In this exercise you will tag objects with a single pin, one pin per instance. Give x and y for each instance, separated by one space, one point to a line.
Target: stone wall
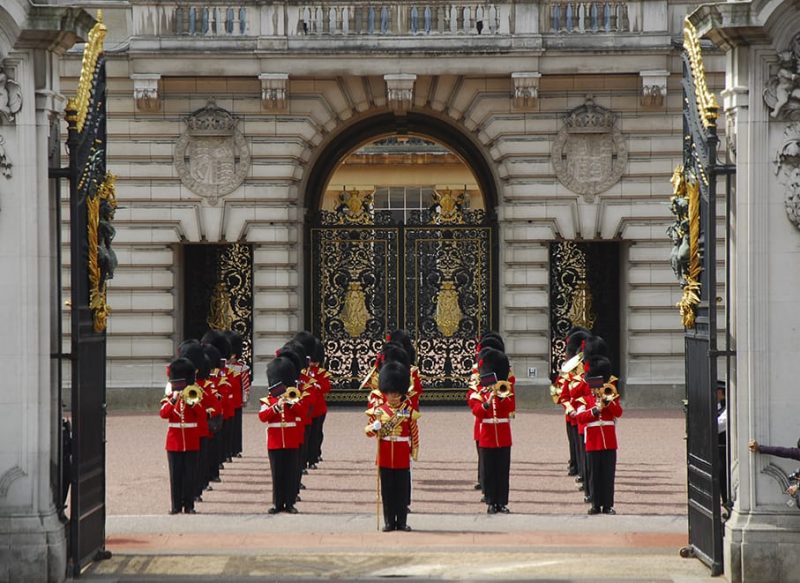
288 119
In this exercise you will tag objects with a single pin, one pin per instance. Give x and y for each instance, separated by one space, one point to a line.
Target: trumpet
291 395
608 392
191 395
501 389
555 393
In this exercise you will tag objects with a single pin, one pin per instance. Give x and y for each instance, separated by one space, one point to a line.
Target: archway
401 233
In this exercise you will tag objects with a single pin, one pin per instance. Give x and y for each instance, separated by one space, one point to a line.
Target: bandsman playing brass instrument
282 435
392 424
181 407
602 411
569 375
495 412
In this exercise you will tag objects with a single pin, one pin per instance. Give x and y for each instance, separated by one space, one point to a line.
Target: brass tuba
191 395
608 392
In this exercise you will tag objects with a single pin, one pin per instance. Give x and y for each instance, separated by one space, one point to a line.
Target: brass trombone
291 395
501 389
370 380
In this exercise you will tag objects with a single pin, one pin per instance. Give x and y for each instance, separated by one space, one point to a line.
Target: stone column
762 536
32 535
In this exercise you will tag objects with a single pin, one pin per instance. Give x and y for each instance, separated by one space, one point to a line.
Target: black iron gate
431 273
584 291
694 261
218 291
92 263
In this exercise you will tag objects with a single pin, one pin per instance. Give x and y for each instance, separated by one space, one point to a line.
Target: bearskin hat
595 346
181 369
219 341
394 378
393 352
494 361
492 334
281 371
307 341
492 342
598 366
213 355
402 337
319 352
294 357
194 351
235 340
575 342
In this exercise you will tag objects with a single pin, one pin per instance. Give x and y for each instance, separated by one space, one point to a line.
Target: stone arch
426 124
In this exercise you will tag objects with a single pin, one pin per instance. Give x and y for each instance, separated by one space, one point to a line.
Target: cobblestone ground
651 470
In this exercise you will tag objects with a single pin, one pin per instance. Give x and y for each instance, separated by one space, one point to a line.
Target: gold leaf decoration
448 313
706 101
354 313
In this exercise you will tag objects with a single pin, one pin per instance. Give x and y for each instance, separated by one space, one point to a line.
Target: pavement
548 535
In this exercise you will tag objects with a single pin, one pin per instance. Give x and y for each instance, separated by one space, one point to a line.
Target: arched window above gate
402 180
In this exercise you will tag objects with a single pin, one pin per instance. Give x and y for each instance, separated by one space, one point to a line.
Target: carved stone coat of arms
212 157
589 153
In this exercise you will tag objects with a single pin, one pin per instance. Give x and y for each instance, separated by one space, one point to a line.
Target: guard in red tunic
392 423
237 374
488 340
495 410
602 411
282 437
225 388
216 420
301 410
322 382
182 409
573 362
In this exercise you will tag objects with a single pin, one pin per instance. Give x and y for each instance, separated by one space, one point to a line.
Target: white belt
493 420
183 425
395 438
283 424
599 423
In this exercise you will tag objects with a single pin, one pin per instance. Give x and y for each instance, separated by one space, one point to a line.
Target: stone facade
762 540
32 40
504 76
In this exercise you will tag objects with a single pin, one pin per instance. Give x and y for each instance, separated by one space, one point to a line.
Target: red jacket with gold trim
495 415
398 443
600 431
182 432
281 424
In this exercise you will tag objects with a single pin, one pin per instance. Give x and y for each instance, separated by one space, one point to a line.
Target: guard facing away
393 424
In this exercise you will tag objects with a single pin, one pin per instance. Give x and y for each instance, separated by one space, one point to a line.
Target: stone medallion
787 163
212 157
589 153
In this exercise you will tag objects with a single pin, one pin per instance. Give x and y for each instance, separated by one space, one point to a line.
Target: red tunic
224 388
281 425
600 431
495 420
395 449
234 375
182 432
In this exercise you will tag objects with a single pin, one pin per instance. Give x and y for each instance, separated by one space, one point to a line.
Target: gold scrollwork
355 207
92 52
580 312
691 289
707 105
448 313
354 312
220 312
97 281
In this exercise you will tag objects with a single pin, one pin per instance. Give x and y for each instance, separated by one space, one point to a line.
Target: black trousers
572 438
282 464
602 470
213 457
305 447
237 432
496 468
321 435
202 467
480 463
394 492
182 478
580 455
723 469
315 444
227 438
